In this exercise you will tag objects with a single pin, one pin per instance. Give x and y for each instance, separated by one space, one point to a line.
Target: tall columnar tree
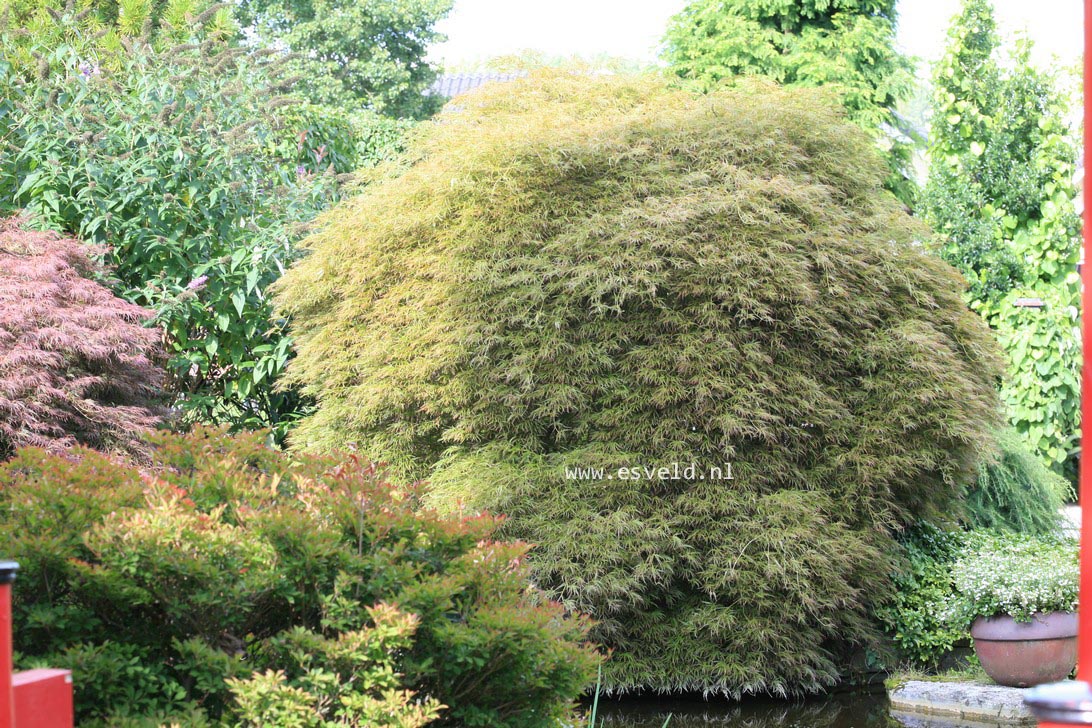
357 54
1000 195
581 274
77 366
849 44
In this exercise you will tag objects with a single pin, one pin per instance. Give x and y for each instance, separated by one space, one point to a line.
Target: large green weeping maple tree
576 274
847 44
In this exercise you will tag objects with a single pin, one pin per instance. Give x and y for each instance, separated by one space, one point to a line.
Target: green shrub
230 582
601 273
347 681
947 578
1015 491
320 138
914 617
174 162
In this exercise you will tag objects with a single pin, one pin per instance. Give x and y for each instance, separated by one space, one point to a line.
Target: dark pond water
836 711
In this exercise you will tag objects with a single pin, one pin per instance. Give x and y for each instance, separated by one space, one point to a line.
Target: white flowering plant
1013 575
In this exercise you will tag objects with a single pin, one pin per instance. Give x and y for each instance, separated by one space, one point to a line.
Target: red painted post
1070 703
36 698
1084 644
7 699
43 698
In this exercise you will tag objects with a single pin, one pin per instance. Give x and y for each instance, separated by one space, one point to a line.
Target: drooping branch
77 365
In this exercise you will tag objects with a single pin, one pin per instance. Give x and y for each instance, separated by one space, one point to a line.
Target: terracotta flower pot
1023 654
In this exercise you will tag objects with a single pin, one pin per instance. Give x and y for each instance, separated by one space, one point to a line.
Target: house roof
450 85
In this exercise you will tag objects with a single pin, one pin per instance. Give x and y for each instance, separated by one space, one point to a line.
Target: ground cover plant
227 582
77 364
582 274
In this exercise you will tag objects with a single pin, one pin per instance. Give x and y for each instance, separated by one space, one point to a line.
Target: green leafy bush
229 582
948 577
170 160
580 275
914 617
350 680
1042 386
1015 491
1013 575
323 139
1001 197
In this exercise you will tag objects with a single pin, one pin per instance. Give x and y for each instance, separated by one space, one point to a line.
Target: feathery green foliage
1015 491
607 272
848 45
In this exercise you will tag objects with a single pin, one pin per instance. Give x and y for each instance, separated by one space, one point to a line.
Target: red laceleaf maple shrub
77 364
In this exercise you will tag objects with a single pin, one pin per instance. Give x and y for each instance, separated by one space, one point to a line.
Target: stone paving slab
970 704
919 720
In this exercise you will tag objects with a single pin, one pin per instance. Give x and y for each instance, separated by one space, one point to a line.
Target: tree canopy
359 54
1000 196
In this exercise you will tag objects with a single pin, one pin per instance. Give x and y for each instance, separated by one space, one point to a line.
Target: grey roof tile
450 85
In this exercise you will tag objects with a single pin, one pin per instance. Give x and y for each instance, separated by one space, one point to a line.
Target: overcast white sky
481 29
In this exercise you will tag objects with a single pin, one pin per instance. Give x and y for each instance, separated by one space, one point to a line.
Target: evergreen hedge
608 272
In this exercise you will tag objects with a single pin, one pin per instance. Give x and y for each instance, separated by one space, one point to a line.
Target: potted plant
1019 596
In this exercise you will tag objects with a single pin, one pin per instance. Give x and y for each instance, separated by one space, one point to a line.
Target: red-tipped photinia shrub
222 582
77 365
